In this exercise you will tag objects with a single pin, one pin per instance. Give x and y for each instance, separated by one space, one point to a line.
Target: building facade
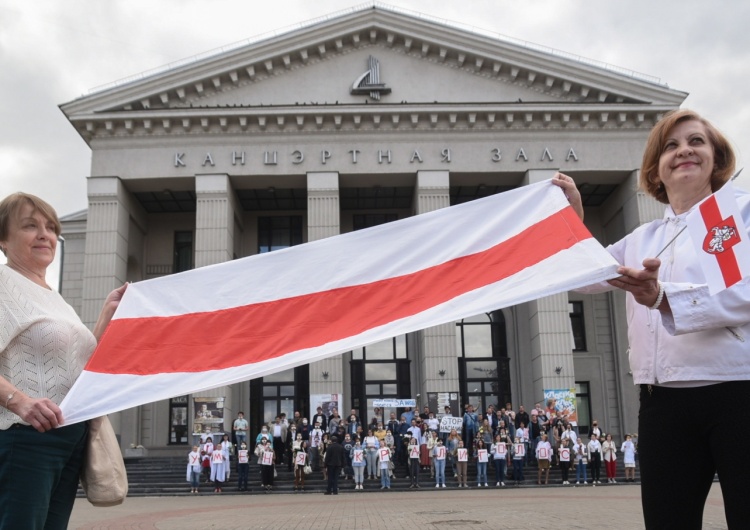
366 117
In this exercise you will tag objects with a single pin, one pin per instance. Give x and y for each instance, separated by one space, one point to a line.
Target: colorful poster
563 400
327 401
209 415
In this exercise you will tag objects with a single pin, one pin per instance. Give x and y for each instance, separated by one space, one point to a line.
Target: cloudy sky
52 52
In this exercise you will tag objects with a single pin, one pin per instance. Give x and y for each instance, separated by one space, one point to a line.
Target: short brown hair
724 158
12 204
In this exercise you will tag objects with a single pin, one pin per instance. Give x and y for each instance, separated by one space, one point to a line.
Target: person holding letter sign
482 459
413 456
519 453
358 464
440 452
462 464
499 451
543 456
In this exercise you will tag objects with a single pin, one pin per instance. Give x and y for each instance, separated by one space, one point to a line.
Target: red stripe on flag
727 260
239 336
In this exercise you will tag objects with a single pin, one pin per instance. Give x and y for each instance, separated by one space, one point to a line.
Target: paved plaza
616 507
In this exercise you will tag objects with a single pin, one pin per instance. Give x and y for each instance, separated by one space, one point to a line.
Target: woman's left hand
108 310
568 186
643 284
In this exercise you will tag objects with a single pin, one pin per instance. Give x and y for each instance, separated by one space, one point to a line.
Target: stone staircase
165 476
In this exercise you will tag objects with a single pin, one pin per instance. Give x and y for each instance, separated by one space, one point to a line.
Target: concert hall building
359 118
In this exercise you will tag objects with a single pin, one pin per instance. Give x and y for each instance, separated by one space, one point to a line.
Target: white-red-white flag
721 239
251 317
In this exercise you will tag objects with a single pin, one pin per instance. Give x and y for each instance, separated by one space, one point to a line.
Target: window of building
178 424
183 252
583 406
275 233
483 364
380 370
282 392
577 325
367 220
278 395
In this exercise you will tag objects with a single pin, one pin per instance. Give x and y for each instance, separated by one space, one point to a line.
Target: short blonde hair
724 159
10 209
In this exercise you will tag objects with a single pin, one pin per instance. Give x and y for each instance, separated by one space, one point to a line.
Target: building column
549 326
106 260
627 208
324 220
216 211
436 346
216 216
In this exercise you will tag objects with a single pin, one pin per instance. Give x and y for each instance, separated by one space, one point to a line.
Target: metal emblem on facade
369 82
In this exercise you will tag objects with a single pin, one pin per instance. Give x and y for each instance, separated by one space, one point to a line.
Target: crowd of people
501 444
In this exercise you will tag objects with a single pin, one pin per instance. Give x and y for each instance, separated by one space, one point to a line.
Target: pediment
421 62
405 77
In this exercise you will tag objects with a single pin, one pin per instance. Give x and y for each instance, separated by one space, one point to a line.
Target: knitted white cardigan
43 343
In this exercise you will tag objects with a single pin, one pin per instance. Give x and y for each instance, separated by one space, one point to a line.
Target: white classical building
356 119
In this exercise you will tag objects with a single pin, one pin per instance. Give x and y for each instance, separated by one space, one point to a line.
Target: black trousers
278 448
333 479
595 463
564 468
685 436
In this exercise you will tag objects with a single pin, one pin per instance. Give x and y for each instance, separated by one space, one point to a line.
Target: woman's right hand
42 414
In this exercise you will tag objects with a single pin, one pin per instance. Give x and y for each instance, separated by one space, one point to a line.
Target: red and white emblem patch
721 237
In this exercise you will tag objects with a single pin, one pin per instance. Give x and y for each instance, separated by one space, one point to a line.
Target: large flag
259 315
721 239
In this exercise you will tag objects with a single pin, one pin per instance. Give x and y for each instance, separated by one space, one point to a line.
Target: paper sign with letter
413 451
543 453
501 449
267 458
300 459
564 453
463 455
520 449
385 455
242 457
358 456
482 455
440 452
